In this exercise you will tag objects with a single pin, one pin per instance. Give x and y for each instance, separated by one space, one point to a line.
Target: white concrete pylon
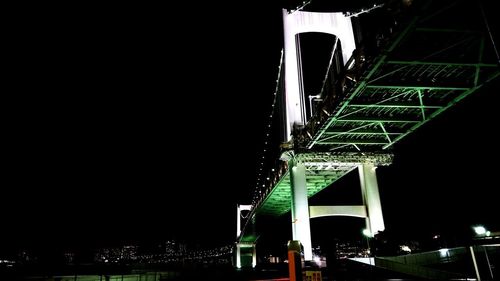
301 22
371 198
238 255
301 228
240 208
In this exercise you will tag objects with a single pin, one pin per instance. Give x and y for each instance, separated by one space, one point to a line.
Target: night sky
128 123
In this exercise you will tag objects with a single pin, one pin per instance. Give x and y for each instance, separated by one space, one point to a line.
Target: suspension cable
260 182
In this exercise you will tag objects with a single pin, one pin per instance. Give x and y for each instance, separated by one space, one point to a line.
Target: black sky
145 122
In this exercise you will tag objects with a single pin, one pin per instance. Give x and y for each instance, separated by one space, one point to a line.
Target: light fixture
479 230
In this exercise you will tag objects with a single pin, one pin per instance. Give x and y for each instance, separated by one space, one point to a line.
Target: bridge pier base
246 255
301 229
371 198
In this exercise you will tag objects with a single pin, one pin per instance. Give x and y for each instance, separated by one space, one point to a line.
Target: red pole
294 261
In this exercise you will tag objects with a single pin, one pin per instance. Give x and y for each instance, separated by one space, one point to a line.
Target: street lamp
315 98
481 231
368 234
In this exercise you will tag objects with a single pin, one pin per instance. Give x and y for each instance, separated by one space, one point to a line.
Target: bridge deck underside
278 201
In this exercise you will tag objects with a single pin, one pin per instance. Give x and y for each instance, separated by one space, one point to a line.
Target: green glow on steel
379 102
374 120
339 147
385 132
248 238
439 111
278 201
417 87
401 105
345 132
371 142
421 104
362 132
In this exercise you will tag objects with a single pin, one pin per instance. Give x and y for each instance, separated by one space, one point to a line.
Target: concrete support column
246 255
238 255
371 198
301 229
254 255
238 221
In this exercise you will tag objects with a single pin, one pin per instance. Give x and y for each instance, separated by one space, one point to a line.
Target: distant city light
405 248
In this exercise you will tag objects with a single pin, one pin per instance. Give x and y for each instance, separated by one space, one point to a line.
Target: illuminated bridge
381 85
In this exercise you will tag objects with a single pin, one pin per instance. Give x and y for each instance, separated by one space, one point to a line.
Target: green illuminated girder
322 169
417 87
441 110
248 239
378 120
394 105
278 202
